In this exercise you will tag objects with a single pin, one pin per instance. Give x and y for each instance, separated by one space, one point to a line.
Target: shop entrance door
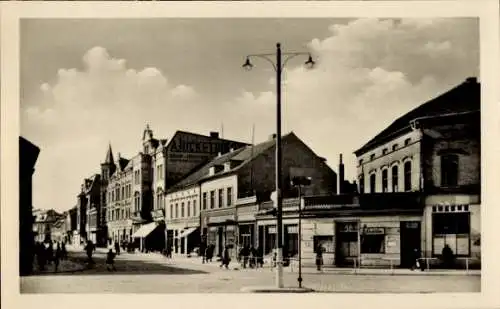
409 241
220 241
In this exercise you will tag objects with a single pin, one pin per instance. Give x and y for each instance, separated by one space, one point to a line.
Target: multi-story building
218 189
28 154
43 224
135 207
88 226
419 185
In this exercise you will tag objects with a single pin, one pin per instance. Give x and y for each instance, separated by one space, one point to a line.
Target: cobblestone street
144 273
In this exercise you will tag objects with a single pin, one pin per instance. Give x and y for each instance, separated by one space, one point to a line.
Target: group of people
50 252
251 256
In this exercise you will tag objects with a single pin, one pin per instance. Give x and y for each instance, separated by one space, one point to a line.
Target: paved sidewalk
65 266
196 262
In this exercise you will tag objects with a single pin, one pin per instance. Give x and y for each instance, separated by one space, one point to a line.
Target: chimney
341 175
214 134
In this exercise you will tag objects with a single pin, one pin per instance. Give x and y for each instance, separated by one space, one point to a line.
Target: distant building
28 155
88 225
45 223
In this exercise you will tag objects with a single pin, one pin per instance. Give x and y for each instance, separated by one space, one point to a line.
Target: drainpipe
417 126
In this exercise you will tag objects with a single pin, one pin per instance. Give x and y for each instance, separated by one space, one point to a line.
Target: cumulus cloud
368 72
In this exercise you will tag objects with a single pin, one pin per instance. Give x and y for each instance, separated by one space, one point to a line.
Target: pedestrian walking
64 252
89 249
225 258
319 257
110 260
117 248
260 257
57 257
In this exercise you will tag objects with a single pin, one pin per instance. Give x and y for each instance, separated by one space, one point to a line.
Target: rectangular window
229 196
189 209
361 184
395 178
204 200
212 199
372 183
182 210
449 170
373 243
171 211
123 193
385 180
176 210
221 198
194 208
407 170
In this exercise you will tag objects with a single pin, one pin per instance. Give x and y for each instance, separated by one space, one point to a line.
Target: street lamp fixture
278 66
299 182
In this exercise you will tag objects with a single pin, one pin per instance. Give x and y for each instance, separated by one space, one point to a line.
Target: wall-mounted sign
346 227
374 230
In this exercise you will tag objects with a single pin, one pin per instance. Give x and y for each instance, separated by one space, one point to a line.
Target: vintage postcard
339 149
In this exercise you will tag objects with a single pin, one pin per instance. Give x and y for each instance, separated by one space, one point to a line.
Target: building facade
232 193
28 155
419 190
89 228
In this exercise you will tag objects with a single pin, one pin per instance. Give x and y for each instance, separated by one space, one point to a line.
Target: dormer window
227 166
211 171
407 141
385 151
372 156
360 161
394 147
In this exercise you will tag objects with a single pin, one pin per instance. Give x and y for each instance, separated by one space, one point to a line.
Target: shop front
222 235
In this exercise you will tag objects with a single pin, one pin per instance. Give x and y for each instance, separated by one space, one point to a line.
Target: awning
145 230
187 231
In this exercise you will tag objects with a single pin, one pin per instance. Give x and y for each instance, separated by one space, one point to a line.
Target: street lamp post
278 67
299 182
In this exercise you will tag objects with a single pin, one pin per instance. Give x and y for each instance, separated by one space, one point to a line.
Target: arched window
407 174
372 182
395 178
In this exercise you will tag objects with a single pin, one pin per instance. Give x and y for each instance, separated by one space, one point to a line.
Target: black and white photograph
178 154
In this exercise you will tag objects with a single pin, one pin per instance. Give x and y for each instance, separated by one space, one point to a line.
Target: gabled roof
462 98
200 173
122 163
242 156
90 182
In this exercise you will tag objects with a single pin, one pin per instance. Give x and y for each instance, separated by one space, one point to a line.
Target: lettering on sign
411 225
348 227
374 230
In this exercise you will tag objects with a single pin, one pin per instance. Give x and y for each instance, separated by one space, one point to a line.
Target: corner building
419 189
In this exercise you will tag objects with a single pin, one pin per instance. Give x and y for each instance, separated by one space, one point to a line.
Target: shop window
452 229
372 182
407 173
395 178
326 242
385 180
449 170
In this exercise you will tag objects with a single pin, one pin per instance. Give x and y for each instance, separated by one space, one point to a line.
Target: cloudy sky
85 83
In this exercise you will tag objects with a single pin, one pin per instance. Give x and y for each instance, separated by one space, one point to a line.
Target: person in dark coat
117 248
225 258
41 256
253 257
64 252
319 257
110 260
260 257
57 257
89 249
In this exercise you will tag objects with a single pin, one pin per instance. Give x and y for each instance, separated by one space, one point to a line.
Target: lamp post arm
290 56
265 57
